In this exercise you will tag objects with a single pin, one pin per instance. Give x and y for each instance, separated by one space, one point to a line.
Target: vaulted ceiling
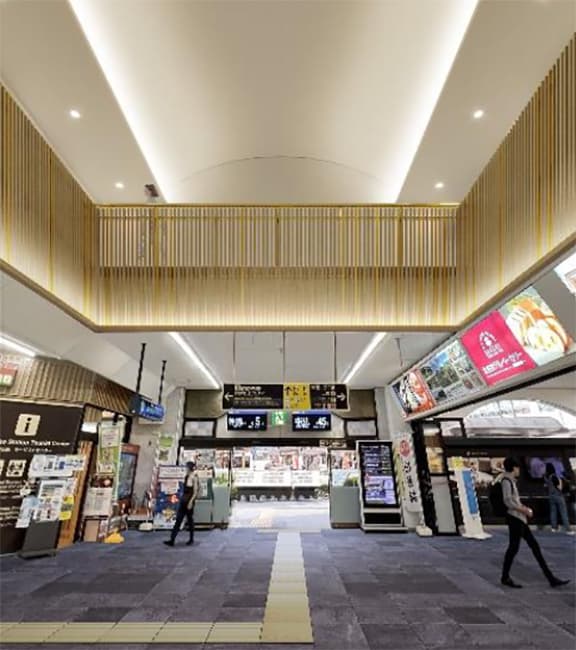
278 101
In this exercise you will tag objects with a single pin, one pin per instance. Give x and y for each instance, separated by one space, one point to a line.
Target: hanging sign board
291 396
146 409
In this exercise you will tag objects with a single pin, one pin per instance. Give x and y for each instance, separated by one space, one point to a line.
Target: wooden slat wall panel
47 220
523 205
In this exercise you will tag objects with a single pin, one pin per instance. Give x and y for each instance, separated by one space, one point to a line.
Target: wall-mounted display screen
536 327
126 474
377 470
566 271
450 374
311 422
247 421
413 394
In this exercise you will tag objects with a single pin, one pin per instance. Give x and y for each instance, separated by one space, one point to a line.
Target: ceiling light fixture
16 346
477 114
74 114
119 185
439 185
369 349
191 354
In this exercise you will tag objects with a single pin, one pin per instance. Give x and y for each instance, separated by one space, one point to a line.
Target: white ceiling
310 101
242 358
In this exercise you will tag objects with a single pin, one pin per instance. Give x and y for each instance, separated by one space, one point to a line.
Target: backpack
496 497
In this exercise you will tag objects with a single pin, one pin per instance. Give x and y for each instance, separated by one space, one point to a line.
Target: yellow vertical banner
297 397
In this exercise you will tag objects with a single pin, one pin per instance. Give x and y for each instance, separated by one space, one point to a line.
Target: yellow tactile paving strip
286 617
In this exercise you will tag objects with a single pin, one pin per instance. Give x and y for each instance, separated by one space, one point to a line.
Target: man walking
186 505
517 519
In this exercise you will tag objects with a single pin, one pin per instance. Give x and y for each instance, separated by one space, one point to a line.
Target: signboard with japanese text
253 396
409 473
297 397
332 397
8 372
495 351
290 396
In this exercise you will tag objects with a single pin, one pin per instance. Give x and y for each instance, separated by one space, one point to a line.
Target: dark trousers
183 513
518 530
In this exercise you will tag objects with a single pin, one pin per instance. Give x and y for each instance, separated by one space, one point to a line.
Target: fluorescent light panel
368 350
16 346
191 354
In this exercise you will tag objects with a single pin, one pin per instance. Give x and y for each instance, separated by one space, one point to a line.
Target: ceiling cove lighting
368 350
74 114
439 65
191 354
439 185
90 18
478 114
16 346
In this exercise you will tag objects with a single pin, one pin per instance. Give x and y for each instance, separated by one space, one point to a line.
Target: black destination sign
253 396
332 397
311 422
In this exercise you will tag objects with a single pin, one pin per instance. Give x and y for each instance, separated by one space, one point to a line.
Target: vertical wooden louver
283 267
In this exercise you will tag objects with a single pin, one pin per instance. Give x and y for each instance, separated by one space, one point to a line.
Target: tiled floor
349 589
303 515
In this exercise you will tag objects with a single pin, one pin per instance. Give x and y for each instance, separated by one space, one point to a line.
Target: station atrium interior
288 324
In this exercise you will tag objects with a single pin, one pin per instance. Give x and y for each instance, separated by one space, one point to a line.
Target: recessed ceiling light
119 185
439 185
74 114
477 114
16 346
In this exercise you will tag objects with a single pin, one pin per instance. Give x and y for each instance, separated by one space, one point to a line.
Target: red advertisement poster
495 351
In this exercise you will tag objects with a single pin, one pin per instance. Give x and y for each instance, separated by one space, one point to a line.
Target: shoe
554 530
169 542
570 532
556 582
508 582
190 542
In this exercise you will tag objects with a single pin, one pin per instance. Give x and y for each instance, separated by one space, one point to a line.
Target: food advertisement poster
495 351
536 327
450 374
413 394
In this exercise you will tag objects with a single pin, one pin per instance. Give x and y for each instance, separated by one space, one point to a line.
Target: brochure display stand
380 506
472 522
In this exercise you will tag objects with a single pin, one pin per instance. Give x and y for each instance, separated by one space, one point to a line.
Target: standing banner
409 473
168 490
472 522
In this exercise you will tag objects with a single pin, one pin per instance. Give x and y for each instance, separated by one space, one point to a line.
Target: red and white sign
7 373
495 351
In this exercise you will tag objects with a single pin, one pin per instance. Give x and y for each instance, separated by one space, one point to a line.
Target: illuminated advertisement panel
566 271
450 374
495 351
536 327
413 394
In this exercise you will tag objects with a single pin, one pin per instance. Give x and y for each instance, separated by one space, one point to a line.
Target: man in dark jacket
186 505
517 519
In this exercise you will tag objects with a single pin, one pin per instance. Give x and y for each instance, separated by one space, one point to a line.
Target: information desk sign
253 396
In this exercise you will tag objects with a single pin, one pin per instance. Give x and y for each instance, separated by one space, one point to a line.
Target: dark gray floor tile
443 636
245 600
102 614
569 627
391 637
344 636
382 615
148 614
323 615
503 637
241 614
475 615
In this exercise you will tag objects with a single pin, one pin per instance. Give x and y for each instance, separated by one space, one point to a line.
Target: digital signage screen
566 271
450 374
377 470
247 421
536 327
413 394
311 422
